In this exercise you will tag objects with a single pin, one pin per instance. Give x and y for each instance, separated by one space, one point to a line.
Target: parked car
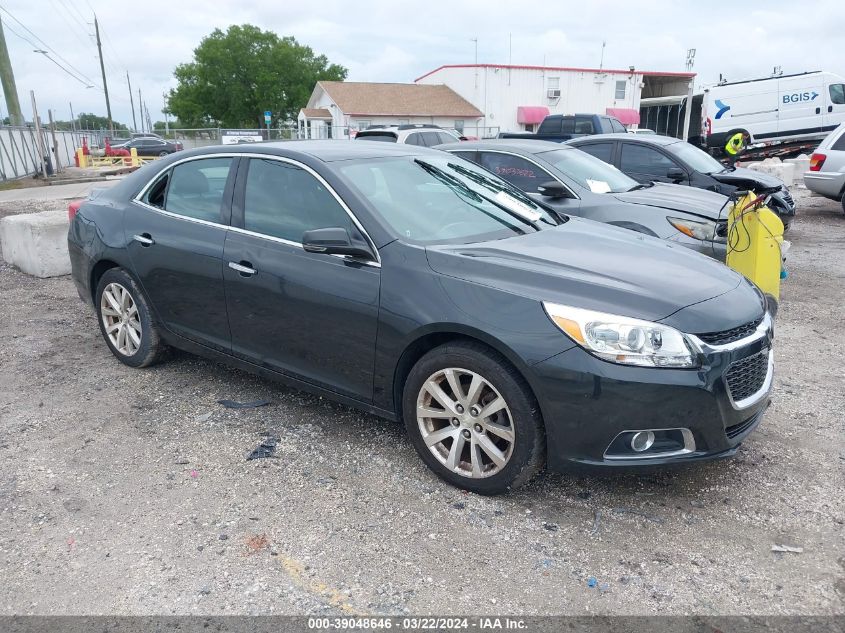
655 158
417 286
148 146
563 127
411 134
827 167
641 130
573 182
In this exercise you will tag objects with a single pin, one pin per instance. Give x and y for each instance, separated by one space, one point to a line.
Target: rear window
387 137
839 144
550 126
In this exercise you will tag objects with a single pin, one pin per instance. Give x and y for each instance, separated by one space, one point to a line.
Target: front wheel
843 201
473 419
163 154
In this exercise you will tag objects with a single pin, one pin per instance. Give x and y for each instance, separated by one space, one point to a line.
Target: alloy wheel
121 320
465 423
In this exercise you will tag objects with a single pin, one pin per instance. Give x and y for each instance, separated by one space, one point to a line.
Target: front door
308 315
175 235
646 164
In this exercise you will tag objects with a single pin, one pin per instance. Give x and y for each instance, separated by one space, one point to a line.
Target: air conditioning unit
553 93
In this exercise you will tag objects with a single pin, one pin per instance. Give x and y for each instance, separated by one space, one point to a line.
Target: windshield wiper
494 186
457 185
641 186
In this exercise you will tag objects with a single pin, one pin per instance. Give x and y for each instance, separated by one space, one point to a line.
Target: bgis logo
798 97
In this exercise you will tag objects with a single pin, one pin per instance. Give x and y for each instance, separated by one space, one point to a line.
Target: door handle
145 239
830 108
819 110
244 268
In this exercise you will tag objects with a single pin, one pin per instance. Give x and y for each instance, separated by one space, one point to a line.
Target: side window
602 151
445 137
196 188
414 139
155 194
430 139
839 144
470 156
837 93
519 172
550 126
645 160
616 126
283 200
584 125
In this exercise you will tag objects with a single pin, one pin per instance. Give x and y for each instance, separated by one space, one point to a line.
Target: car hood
741 175
599 267
707 204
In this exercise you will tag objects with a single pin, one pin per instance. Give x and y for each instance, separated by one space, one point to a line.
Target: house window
459 125
363 124
620 89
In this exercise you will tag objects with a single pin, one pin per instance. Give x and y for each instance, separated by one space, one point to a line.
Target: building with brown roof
338 109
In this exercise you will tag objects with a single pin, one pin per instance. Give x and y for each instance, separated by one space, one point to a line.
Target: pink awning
531 114
626 116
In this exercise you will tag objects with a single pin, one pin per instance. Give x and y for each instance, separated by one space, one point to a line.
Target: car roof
649 139
326 150
526 146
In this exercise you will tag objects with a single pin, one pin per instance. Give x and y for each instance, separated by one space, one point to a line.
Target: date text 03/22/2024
417 623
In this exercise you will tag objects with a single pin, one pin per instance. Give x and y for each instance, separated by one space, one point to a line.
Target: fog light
642 441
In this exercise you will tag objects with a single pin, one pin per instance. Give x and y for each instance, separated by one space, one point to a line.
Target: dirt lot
126 491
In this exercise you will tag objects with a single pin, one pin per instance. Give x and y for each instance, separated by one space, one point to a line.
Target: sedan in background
827 167
417 286
572 182
151 146
654 158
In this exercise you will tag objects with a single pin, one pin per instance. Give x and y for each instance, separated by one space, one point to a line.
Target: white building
338 109
517 98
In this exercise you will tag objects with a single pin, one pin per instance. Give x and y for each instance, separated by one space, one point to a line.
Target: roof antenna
601 61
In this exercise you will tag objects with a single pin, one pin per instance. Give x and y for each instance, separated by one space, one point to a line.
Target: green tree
89 121
235 76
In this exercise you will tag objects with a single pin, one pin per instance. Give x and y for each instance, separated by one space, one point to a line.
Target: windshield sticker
517 207
598 186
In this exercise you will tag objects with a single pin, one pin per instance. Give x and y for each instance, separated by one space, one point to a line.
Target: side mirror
334 241
552 189
676 174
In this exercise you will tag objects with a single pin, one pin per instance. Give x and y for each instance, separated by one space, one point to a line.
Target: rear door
802 103
602 151
645 163
175 233
834 107
308 315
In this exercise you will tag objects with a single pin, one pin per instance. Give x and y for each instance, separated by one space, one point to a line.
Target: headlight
623 340
698 229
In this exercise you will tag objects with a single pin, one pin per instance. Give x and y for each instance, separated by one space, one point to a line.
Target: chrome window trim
282 159
760 332
756 397
689 446
481 150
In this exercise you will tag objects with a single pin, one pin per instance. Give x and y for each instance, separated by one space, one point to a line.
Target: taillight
73 208
816 161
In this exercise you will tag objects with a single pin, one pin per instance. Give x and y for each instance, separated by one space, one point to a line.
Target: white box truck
783 108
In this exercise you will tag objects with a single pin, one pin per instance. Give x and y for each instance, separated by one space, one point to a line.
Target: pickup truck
564 127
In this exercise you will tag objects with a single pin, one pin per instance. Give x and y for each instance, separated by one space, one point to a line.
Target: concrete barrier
802 164
773 167
36 243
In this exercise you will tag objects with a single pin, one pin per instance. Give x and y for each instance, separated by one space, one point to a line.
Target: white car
412 134
827 167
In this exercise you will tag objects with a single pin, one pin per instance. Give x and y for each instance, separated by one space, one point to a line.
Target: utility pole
166 118
8 80
39 140
58 164
103 70
140 110
132 103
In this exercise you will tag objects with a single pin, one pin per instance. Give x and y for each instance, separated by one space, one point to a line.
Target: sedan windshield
434 200
588 171
696 158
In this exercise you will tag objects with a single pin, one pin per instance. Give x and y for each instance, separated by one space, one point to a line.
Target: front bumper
825 183
587 402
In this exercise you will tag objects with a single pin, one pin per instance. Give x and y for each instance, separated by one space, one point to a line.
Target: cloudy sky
379 40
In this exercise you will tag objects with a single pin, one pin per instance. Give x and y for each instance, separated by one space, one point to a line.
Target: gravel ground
127 491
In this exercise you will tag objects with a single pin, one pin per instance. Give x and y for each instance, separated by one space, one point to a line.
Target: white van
798 107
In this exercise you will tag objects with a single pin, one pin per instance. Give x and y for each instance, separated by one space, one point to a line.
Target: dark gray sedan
417 286
573 182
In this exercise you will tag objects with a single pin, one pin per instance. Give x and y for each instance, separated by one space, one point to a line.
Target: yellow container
755 244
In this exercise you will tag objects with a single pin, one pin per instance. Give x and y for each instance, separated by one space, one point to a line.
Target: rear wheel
162 154
473 419
126 322
843 202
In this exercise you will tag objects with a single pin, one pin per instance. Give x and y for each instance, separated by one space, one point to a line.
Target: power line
46 45
73 26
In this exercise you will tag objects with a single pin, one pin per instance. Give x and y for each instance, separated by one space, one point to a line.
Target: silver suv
413 134
827 167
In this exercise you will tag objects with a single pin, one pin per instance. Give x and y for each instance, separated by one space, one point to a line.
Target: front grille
729 336
746 377
738 429
787 197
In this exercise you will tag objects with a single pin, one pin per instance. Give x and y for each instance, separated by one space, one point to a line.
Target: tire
163 154
135 341
487 454
843 202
